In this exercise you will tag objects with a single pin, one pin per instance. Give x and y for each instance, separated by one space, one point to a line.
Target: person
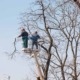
24 36
34 39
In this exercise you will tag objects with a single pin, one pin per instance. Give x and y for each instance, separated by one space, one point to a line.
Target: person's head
22 29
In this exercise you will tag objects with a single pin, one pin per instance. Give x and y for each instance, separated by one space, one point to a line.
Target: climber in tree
24 36
34 39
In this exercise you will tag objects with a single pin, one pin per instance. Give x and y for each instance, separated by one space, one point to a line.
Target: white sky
18 68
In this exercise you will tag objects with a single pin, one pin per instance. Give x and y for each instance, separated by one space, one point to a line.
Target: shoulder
26 32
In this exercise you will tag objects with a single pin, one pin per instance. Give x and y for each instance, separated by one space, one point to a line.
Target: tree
59 25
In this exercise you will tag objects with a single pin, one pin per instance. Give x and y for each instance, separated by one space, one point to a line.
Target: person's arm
20 35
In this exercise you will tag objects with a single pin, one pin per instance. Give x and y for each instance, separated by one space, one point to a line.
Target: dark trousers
25 42
35 43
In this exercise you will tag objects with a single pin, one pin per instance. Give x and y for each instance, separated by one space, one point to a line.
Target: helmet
22 29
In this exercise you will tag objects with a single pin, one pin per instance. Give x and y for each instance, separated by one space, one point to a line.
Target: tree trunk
62 72
75 74
47 67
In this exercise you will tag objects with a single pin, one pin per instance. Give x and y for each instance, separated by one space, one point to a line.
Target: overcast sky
18 68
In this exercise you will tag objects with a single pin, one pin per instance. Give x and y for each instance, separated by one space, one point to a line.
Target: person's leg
23 39
36 44
26 42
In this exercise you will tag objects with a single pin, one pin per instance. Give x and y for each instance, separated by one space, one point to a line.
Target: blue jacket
35 38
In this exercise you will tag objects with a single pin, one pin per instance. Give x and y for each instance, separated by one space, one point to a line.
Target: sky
17 68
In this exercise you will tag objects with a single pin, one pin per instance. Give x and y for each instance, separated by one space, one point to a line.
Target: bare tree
58 24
